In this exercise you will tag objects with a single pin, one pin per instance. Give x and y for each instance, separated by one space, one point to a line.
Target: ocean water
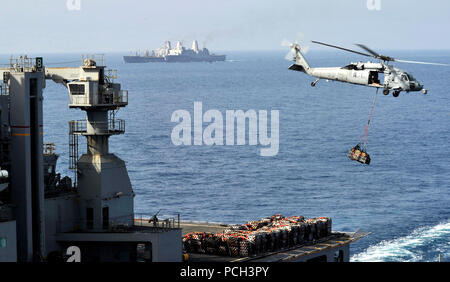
402 198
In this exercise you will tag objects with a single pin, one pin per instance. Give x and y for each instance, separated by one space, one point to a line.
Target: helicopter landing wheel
396 93
386 91
313 84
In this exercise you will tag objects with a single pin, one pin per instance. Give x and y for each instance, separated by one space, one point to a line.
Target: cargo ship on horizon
177 54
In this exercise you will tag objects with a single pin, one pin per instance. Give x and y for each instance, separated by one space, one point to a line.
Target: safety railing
125 223
155 222
112 126
98 59
21 63
123 97
118 99
4 89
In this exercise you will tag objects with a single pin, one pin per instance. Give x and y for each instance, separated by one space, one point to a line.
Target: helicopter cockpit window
404 77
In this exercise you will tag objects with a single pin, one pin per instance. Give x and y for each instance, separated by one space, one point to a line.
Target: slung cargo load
257 237
359 154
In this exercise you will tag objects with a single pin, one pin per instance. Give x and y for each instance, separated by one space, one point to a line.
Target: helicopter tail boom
300 62
297 68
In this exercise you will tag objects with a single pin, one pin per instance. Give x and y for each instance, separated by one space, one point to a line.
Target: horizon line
218 50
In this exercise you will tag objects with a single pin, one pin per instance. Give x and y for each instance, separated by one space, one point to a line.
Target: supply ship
46 217
177 54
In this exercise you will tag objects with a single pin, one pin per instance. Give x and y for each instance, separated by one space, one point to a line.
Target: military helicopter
367 74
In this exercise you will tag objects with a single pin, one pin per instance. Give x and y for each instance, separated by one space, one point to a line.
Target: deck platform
302 252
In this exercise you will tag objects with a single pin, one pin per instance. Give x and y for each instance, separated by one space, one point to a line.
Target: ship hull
187 59
142 59
174 59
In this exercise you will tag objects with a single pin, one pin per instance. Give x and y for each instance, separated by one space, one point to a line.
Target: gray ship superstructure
177 54
46 217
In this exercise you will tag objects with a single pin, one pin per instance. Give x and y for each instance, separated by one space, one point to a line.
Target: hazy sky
111 25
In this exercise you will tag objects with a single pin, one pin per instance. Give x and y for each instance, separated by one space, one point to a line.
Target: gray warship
173 55
90 217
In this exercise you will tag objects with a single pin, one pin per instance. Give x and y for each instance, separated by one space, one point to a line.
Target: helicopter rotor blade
375 54
294 47
422 63
304 49
289 56
387 58
341 48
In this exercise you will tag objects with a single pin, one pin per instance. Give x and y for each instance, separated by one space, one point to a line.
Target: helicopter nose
419 86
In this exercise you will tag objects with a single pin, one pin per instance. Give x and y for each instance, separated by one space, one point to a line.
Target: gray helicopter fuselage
379 75
355 73
369 74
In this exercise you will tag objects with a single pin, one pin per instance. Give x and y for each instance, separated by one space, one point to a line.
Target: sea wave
423 244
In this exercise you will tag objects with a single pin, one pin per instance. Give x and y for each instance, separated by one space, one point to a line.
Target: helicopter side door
358 77
373 78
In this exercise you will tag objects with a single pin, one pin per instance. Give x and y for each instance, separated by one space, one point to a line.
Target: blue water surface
402 198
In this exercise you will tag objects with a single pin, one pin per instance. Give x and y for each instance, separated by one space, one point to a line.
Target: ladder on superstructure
5 135
73 151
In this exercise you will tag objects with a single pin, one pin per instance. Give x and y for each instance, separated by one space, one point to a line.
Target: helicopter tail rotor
296 53
300 63
294 47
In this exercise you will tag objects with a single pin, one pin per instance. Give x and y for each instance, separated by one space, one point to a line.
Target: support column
27 178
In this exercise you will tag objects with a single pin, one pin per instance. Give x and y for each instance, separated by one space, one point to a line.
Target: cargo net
359 154
257 237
